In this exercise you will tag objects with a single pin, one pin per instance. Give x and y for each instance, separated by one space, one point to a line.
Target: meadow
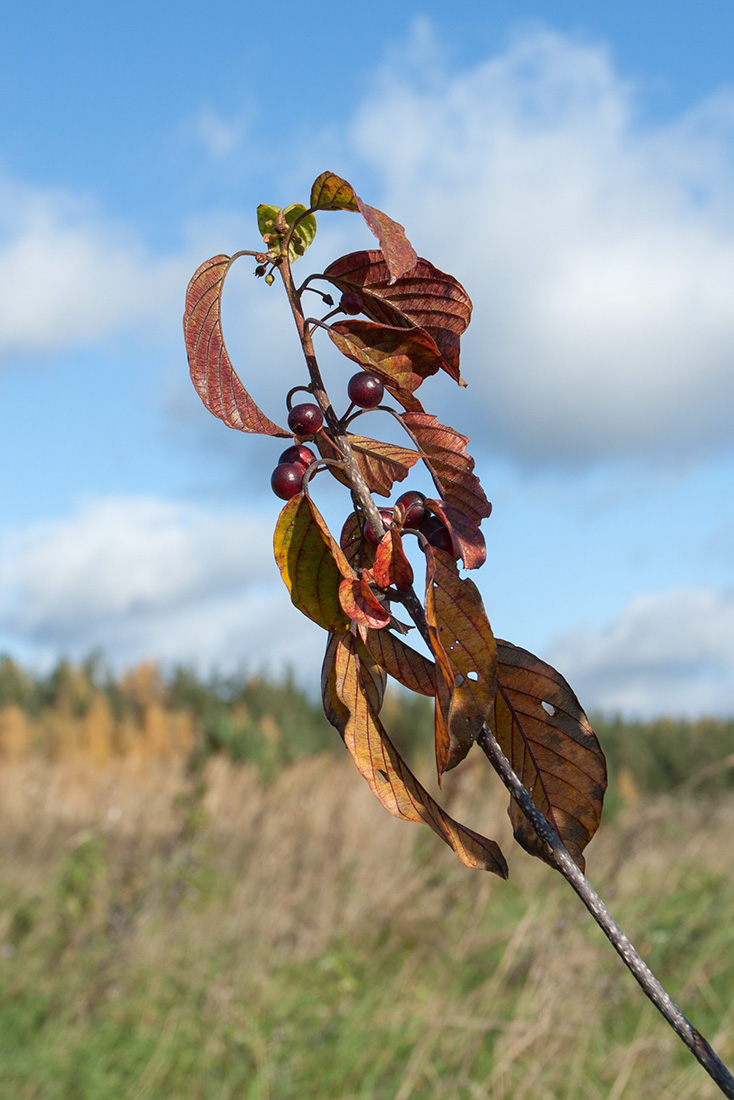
195 904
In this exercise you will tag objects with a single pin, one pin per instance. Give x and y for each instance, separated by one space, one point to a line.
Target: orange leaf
391 565
466 658
382 464
547 738
348 704
311 563
424 298
331 192
402 662
212 373
361 605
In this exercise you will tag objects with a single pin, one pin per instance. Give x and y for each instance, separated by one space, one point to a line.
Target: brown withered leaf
467 539
546 736
402 662
311 563
425 298
382 464
400 256
448 463
401 357
212 373
361 605
466 658
331 192
348 705
391 565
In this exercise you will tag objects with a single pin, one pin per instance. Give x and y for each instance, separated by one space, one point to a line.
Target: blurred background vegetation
200 898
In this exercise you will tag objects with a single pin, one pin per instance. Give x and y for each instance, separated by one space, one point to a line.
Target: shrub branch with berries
400 320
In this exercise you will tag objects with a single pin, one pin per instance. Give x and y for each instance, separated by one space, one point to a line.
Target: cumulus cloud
598 248
668 653
140 576
70 277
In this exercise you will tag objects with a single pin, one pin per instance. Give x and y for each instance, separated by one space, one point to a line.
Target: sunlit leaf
311 563
304 232
400 256
449 464
466 658
391 565
374 681
211 369
331 192
346 686
425 298
361 605
382 464
546 736
468 540
402 662
401 357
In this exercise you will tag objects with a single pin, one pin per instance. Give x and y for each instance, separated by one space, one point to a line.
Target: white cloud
141 577
70 277
599 251
668 653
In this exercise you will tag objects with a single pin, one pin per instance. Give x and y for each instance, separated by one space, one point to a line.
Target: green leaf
267 220
311 563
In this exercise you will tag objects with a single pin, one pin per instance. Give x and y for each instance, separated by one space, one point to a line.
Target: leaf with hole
546 736
425 298
349 704
212 373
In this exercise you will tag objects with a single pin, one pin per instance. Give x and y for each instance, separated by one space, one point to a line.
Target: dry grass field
207 937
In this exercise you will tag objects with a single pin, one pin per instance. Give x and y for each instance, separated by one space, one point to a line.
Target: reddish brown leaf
400 256
466 658
382 464
211 369
425 298
348 705
331 192
547 738
449 464
358 551
311 563
401 357
404 664
467 539
361 605
391 565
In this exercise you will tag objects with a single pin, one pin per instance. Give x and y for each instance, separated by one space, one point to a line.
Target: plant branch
562 861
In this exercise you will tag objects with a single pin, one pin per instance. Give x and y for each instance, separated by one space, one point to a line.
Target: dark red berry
437 534
365 389
305 420
388 520
287 479
298 453
351 302
412 507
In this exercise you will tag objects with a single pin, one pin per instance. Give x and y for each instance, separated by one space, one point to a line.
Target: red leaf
449 464
331 192
425 298
348 703
212 373
466 658
382 464
391 565
400 256
468 540
401 357
547 738
361 605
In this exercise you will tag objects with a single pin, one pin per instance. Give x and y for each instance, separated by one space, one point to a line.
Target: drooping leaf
311 563
546 736
331 192
349 706
361 605
400 256
402 662
358 551
374 682
466 658
401 357
425 298
212 373
382 464
468 540
391 565
449 464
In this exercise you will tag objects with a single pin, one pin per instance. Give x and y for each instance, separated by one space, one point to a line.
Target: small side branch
562 860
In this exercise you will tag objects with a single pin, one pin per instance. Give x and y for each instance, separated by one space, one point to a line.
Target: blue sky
570 163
